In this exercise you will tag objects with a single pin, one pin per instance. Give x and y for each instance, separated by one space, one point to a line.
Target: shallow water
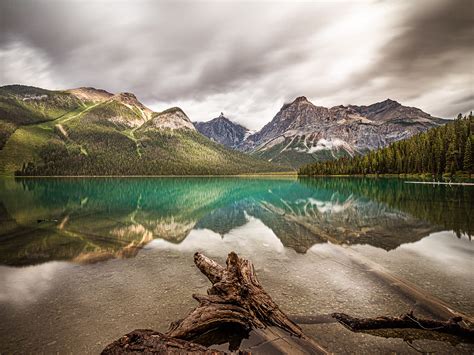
84 261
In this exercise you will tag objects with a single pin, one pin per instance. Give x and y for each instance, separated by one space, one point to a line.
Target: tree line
442 150
105 151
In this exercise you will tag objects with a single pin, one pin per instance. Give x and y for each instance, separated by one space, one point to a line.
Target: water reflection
25 285
90 220
249 239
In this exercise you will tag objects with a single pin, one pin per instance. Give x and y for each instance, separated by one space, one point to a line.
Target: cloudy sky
246 58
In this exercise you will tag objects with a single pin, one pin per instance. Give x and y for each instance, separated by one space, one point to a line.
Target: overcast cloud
246 58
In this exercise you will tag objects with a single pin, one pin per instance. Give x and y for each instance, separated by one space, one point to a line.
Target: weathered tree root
236 296
236 299
407 320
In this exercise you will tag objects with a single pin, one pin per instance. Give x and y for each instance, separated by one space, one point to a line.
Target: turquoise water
85 260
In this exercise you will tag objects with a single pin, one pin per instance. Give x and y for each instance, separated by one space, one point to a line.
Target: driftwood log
237 304
236 297
236 301
408 320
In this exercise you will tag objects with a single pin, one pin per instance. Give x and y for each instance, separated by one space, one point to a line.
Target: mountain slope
441 150
302 133
223 131
26 105
87 131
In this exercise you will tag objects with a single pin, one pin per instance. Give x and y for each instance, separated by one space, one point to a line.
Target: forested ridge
159 152
87 131
438 151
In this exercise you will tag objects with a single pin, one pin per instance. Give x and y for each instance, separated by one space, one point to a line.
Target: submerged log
421 298
407 320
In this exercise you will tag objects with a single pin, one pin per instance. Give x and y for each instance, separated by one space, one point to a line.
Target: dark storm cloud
52 26
433 41
245 58
433 50
172 49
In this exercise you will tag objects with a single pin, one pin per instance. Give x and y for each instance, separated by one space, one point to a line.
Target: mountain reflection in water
86 220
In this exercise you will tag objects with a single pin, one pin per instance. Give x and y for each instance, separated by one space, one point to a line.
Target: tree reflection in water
95 219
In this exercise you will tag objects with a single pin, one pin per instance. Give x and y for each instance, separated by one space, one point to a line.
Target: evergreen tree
451 163
467 163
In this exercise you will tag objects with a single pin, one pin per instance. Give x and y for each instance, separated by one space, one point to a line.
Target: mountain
302 132
438 151
224 131
89 131
173 118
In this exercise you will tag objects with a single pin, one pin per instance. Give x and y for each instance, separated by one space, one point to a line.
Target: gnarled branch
236 296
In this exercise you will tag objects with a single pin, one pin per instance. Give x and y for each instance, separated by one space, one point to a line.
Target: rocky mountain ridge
224 131
302 132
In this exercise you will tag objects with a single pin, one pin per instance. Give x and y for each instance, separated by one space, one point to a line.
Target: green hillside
56 133
442 150
26 105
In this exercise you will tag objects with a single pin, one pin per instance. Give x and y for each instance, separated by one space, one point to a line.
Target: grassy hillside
58 134
26 105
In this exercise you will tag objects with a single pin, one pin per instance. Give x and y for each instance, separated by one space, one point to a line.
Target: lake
85 260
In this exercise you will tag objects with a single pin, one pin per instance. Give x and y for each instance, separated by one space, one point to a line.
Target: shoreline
285 174
441 181
402 176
